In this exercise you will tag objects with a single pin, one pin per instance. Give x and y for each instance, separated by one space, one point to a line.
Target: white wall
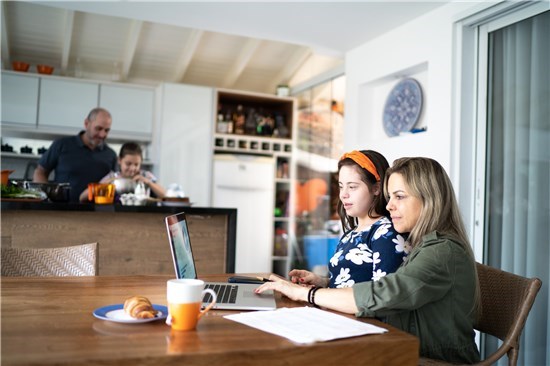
422 49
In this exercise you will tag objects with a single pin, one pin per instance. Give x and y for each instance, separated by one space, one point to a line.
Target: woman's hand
303 277
292 291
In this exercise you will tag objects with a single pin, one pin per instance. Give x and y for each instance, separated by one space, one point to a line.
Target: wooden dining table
50 321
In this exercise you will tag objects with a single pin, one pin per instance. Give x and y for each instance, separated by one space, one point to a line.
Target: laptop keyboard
226 294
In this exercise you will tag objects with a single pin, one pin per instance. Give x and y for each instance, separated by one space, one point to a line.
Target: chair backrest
506 300
78 260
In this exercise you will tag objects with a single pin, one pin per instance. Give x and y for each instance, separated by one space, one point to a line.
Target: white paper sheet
305 324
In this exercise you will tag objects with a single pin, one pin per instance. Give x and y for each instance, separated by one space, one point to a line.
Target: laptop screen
180 246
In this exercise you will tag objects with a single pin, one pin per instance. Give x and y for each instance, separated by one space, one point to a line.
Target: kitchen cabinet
184 142
66 103
49 106
131 107
19 99
259 124
246 182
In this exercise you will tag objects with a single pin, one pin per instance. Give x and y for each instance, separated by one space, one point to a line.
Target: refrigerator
247 183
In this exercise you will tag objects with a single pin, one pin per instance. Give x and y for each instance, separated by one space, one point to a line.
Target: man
80 159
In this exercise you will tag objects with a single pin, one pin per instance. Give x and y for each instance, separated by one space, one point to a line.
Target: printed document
305 324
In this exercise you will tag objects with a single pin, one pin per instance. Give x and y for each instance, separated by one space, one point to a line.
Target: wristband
311 295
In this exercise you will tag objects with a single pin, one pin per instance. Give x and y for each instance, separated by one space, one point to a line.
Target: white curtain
518 169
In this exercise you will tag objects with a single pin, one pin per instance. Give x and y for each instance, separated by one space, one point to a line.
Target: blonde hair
427 180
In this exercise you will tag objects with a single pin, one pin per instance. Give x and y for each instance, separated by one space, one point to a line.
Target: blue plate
115 313
403 107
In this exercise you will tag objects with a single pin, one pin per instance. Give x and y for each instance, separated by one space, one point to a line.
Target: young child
129 160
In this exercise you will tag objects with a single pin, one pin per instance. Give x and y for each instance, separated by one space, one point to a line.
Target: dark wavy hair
379 202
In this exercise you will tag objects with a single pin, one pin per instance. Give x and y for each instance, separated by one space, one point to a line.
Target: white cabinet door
130 107
19 99
185 140
65 103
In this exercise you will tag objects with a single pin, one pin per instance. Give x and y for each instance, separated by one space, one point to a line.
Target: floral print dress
367 255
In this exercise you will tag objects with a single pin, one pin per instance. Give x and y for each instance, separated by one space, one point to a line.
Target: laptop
230 296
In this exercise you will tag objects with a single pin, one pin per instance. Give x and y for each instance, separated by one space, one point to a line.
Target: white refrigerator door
247 183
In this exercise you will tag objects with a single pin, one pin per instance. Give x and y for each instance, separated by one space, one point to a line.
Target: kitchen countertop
69 206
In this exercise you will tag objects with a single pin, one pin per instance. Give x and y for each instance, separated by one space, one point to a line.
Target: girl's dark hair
130 148
379 202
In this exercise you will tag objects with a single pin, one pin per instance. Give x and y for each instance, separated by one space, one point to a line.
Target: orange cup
104 194
91 191
184 303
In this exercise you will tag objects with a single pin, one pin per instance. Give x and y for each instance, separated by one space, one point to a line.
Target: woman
370 248
435 293
129 160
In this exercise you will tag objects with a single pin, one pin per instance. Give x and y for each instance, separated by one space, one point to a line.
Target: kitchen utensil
7 148
20 66
44 69
104 194
26 149
56 192
124 185
5 176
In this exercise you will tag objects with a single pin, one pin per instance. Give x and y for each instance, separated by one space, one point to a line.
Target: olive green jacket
430 296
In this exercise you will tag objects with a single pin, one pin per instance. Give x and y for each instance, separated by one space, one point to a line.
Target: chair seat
78 260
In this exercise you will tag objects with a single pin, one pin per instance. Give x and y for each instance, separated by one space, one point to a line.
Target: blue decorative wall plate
403 107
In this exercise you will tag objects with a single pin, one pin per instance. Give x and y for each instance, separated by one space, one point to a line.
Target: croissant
139 307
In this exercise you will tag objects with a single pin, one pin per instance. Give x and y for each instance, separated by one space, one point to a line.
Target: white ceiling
247 45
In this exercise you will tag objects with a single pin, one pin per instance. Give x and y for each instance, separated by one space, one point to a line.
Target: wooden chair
78 260
506 300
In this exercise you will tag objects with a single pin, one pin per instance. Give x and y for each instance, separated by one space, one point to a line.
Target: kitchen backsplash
25 162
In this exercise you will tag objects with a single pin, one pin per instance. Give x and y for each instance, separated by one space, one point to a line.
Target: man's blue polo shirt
76 164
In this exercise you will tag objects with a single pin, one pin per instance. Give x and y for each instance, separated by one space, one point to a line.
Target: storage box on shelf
260 124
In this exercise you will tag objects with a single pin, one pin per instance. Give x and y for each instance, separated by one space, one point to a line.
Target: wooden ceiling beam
131 46
292 65
187 54
67 38
245 55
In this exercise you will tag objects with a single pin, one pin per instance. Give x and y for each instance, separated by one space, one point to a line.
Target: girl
370 247
129 160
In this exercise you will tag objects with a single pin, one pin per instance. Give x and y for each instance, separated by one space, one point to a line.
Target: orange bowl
20 66
5 176
44 69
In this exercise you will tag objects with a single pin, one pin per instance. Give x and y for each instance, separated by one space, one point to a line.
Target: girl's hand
140 178
292 291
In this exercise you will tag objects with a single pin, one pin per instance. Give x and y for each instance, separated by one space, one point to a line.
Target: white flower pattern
334 259
378 274
343 276
367 255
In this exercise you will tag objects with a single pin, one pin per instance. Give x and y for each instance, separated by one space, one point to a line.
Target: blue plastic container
318 249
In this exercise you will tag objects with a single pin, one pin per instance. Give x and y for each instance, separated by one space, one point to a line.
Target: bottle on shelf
229 120
281 129
250 124
239 120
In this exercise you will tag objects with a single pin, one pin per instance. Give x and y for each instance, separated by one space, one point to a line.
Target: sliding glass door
514 161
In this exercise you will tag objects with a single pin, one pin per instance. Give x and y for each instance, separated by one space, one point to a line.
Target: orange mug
184 298
91 191
104 193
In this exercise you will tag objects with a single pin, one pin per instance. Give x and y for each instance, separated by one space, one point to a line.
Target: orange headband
363 161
